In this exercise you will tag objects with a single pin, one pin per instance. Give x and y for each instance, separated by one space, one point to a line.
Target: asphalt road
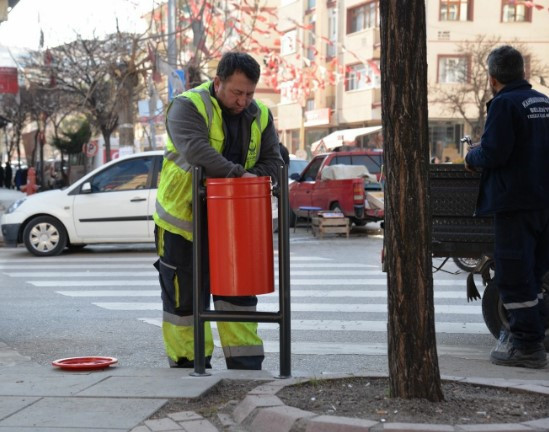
104 300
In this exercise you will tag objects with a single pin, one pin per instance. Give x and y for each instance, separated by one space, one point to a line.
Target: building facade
329 75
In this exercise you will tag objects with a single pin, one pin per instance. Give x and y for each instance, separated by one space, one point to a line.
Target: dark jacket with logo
514 151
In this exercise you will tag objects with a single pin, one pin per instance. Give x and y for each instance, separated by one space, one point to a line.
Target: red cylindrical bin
240 236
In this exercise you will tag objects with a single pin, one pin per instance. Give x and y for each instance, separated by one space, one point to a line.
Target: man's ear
216 82
495 84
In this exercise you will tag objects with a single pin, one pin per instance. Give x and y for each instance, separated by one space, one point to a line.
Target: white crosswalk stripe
152 273
294 293
348 297
303 307
154 282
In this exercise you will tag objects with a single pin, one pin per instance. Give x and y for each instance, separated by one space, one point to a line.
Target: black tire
45 236
335 207
466 264
495 315
493 312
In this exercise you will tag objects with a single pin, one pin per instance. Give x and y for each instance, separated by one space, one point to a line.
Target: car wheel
466 264
336 208
45 236
495 315
493 312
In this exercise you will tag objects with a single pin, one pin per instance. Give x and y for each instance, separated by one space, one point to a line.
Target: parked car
112 204
345 181
7 198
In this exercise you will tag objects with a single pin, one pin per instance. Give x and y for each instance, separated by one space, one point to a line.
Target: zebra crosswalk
327 297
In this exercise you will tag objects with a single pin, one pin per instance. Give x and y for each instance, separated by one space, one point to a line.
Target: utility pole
172 44
152 114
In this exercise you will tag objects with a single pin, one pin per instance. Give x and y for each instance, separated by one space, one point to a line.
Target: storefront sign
8 80
317 117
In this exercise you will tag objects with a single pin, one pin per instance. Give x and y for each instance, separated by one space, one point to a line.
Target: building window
311 38
455 10
311 4
452 69
287 92
444 140
331 47
363 17
515 11
362 76
288 42
309 105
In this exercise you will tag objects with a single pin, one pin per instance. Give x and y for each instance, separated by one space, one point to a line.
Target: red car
357 194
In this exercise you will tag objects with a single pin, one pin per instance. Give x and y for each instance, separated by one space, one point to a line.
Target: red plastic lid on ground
84 363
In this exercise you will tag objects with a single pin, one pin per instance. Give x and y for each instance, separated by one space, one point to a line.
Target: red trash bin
240 236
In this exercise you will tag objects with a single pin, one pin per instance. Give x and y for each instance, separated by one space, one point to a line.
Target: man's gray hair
506 64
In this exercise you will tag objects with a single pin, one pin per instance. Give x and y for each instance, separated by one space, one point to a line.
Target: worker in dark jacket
514 157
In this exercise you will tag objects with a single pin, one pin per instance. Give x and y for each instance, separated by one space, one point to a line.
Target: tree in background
412 353
16 109
99 77
469 96
204 30
73 135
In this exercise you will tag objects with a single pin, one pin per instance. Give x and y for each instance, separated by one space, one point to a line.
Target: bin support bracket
283 317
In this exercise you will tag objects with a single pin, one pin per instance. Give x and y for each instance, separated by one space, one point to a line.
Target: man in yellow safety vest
219 126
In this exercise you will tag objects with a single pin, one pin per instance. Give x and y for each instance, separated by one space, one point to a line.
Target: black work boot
189 364
534 358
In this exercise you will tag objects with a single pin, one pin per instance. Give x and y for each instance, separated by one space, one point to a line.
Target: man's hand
469 167
248 174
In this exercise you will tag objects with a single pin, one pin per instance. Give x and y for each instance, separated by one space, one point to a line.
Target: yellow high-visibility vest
174 197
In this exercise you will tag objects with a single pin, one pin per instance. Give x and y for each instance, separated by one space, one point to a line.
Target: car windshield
372 162
296 166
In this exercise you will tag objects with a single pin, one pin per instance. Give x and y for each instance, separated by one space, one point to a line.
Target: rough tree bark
126 104
413 362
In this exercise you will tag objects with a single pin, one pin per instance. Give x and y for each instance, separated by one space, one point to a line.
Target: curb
262 411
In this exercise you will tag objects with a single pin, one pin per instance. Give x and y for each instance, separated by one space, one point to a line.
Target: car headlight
14 206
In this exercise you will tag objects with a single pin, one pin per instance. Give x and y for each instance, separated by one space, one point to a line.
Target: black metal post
284 273
282 317
198 295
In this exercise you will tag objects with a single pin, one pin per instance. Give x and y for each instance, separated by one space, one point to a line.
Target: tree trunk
107 138
413 362
126 98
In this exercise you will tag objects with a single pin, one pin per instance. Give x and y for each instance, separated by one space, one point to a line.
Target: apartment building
335 44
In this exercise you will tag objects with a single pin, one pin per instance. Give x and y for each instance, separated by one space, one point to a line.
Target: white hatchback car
112 204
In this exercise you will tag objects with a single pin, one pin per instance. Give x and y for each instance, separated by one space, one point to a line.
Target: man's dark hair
234 61
506 64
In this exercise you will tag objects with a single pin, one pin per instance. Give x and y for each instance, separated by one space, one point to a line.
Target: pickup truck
359 198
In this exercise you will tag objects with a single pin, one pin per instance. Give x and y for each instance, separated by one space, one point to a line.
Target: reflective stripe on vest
174 196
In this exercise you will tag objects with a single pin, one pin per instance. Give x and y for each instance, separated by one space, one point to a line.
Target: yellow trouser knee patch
179 340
